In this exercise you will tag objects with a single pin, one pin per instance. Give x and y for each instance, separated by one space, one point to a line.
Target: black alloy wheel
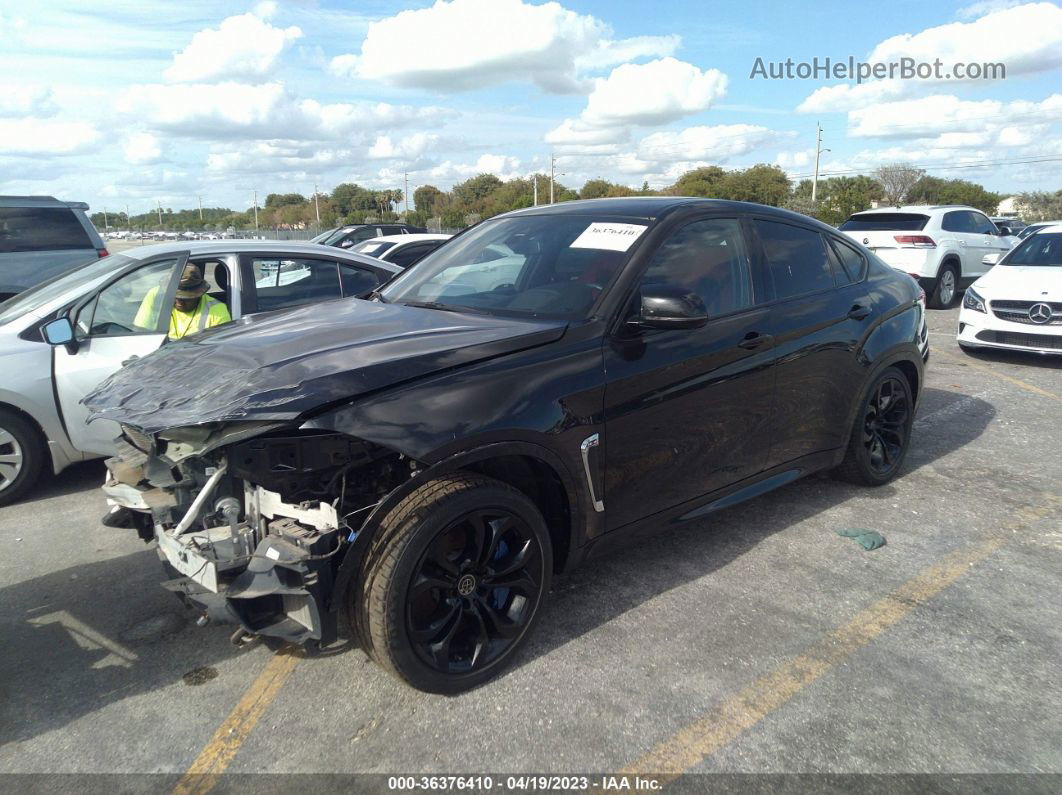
885 424
882 432
453 582
473 591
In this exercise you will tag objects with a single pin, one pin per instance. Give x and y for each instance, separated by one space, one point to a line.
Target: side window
982 225
131 305
709 259
406 256
955 221
281 283
796 257
852 264
357 281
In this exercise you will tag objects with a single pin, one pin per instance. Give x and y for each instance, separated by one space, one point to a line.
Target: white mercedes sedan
1017 305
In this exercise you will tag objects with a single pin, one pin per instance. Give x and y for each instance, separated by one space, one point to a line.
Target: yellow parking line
992 371
203 774
716 729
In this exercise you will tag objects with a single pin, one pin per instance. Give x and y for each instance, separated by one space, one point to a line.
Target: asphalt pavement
757 641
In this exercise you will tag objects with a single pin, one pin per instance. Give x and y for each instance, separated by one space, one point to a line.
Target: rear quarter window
41 229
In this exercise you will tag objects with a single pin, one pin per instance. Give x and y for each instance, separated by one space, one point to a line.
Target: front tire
22 454
453 583
882 432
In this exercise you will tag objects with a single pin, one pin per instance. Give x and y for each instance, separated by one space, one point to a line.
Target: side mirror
990 259
668 307
60 332
1005 231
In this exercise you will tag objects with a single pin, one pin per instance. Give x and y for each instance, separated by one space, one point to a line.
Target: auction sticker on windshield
612 237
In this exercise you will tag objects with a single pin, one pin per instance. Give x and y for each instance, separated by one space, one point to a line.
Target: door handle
754 340
858 312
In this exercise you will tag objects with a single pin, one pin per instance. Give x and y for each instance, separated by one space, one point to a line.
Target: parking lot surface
756 641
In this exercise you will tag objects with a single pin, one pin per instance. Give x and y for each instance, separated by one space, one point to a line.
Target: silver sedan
61 338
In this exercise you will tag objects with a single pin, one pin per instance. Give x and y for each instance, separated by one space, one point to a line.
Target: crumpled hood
1022 283
280 365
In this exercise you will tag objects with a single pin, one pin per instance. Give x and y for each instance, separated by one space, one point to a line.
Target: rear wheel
454 583
947 287
882 432
22 455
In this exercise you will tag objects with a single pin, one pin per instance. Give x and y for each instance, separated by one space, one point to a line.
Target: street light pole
256 210
316 206
200 208
552 174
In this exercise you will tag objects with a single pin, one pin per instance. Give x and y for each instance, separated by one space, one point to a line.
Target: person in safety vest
193 310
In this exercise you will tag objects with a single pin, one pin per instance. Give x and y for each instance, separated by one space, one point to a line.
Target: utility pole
200 208
316 206
159 203
535 178
818 151
552 174
128 218
405 193
256 210
105 224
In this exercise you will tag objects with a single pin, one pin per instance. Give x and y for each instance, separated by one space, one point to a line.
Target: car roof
1053 227
410 238
39 201
917 208
200 248
655 207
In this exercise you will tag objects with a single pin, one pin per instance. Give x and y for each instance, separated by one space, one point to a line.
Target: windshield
885 222
373 248
335 235
1024 233
1044 249
71 282
323 236
550 266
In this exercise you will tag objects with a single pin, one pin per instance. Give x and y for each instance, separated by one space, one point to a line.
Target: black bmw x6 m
551 383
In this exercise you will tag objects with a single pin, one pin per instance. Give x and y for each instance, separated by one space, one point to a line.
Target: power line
941 166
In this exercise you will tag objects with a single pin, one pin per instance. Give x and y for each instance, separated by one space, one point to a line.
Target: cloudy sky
136 101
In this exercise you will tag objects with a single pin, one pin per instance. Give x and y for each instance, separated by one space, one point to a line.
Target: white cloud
409 147
943 113
979 9
848 96
45 137
268 111
141 148
462 45
243 47
652 93
1026 39
716 144
17 100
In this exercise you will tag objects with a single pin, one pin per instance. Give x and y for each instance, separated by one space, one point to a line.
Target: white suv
942 246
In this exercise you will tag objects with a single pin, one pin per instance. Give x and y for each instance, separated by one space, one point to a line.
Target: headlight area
972 300
254 532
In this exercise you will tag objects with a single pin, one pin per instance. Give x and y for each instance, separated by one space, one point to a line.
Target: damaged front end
253 519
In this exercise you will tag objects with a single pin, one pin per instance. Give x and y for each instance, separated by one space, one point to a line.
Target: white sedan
1017 305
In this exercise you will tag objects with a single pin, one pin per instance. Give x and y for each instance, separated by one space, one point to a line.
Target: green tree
472 192
1040 206
424 198
934 190
699 182
284 199
761 183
